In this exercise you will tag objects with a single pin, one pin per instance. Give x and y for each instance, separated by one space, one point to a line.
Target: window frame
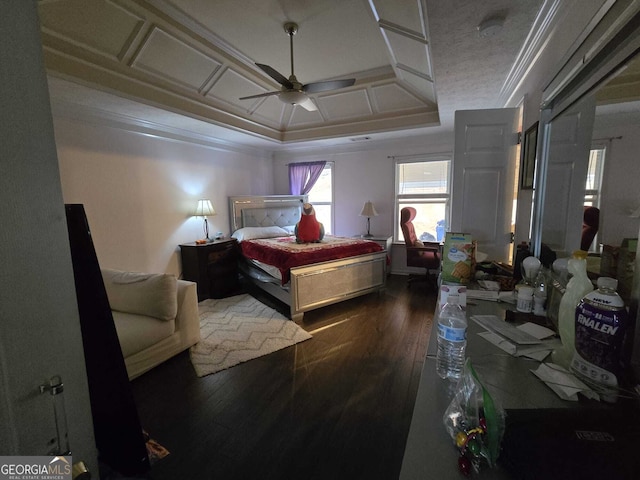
423 198
330 167
592 196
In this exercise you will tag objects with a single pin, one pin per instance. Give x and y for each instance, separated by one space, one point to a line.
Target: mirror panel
567 164
609 79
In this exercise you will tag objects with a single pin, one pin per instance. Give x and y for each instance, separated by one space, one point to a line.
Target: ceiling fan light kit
294 92
292 96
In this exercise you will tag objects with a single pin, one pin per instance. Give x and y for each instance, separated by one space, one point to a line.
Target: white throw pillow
250 233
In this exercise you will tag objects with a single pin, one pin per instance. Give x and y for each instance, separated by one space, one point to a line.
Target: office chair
590 223
419 254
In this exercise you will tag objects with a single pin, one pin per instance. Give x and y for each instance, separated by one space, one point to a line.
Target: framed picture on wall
528 163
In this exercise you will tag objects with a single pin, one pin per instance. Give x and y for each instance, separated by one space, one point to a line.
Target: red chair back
407 214
590 224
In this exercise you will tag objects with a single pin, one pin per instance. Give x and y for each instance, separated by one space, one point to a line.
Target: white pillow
249 233
291 229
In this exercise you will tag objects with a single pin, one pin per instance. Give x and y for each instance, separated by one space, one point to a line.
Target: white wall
139 191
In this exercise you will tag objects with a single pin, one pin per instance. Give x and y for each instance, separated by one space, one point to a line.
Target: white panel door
483 177
40 335
568 162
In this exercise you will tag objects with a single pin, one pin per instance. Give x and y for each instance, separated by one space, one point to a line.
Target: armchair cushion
150 294
138 332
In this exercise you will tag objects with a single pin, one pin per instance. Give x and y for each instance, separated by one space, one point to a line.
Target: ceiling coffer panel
102 27
410 14
343 105
411 53
227 87
391 97
269 109
419 83
301 117
170 59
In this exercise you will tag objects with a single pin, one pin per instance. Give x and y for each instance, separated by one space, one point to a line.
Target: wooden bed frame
311 286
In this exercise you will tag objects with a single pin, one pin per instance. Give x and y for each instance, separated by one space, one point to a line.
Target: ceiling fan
293 91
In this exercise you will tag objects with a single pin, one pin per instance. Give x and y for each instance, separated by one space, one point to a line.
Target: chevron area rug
237 329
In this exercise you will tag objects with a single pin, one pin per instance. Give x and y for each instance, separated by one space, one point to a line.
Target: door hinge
512 237
519 138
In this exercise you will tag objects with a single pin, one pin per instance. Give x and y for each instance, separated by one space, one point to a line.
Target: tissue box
457 258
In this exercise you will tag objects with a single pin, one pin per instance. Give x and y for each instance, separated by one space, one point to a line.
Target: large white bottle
452 340
601 328
577 287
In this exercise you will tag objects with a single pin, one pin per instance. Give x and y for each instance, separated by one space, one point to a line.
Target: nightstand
213 266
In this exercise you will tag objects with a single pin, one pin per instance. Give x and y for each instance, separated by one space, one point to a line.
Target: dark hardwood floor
336 406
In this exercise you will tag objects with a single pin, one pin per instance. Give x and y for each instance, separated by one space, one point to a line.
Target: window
426 186
321 197
594 177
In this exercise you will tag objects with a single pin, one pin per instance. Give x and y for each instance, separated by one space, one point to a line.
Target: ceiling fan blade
277 76
308 105
268 94
328 85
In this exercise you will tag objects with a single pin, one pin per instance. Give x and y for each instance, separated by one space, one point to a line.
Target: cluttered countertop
510 353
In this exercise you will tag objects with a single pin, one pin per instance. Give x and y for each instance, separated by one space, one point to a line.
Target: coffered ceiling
185 64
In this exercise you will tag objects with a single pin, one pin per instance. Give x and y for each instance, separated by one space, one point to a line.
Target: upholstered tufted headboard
265 211
266 217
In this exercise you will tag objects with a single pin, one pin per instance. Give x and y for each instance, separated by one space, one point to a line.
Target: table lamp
203 209
368 210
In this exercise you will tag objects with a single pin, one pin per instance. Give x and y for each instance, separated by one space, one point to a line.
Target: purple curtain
303 176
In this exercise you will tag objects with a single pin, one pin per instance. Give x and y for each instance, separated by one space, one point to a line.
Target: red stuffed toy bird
309 229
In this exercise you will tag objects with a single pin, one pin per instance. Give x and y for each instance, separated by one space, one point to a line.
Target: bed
306 284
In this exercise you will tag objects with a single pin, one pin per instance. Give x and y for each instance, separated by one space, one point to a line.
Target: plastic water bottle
452 340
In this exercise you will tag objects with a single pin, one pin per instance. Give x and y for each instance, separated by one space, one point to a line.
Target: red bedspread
284 253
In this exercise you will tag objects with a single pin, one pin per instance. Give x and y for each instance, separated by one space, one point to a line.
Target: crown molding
535 43
101 118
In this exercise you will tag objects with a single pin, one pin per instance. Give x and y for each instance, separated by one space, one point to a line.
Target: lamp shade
204 208
368 210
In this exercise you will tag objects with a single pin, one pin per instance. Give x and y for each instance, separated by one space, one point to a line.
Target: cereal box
457 258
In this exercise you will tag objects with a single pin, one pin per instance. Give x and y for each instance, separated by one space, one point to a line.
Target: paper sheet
536 330
506 330
483 295
536 352
489 285
563 382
